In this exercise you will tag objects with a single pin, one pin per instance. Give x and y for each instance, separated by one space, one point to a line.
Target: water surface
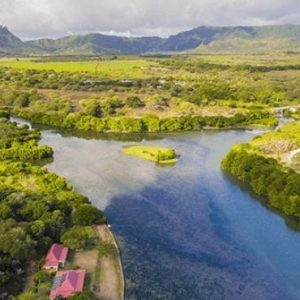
186 232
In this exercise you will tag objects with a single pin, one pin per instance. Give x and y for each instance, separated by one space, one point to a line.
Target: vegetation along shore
131 95
269 165
39 208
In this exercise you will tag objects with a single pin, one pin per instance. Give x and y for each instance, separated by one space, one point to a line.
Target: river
188 231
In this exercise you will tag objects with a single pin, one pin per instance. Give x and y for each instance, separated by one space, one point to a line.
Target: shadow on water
290 221
166 256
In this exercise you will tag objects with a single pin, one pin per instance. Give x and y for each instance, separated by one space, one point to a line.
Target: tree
134 102
22 100
16 243
87 214
110 105
79 238
37 229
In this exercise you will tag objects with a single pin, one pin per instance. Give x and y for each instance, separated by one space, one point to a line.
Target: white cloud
45 18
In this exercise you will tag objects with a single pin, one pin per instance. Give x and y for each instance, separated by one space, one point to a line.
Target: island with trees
166 156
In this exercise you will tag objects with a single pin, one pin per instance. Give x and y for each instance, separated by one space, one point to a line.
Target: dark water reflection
186 232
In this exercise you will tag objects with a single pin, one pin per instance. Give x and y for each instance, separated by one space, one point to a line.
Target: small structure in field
67 283
56 256
158 154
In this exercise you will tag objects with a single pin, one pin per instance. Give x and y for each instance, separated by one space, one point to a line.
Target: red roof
67 283
57 254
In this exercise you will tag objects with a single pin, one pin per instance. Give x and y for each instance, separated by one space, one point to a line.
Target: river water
188 231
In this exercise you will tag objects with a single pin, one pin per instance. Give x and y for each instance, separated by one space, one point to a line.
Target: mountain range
201 39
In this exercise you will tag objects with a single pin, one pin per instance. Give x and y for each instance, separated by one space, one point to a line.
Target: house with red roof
67 283
56 256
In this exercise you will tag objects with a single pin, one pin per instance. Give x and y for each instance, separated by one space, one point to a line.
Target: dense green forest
149 123
265 166
37 208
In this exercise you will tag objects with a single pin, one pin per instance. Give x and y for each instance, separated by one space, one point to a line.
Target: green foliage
134 102
108 249
154 153
21 144
92 107
14 241
165 155
79 238
87 295
110 105
35 209
4 114
150 123
86 214
267 177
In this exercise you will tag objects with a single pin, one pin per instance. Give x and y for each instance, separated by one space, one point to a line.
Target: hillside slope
254 39
9 43
201 39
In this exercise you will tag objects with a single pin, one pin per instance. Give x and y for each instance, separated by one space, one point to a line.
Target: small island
159 155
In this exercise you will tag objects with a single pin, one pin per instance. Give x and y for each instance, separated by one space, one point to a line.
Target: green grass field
117 69
168 156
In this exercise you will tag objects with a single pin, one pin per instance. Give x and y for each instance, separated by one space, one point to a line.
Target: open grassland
118 69
262 59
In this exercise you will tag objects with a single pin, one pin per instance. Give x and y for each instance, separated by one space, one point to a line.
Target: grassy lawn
109 274
153 153
104 271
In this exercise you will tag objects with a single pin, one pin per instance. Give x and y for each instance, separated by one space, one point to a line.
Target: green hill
254 39
9 43
97 44
201 39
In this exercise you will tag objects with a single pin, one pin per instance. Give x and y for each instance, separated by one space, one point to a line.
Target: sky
31 19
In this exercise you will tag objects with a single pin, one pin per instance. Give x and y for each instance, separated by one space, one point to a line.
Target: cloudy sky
54 18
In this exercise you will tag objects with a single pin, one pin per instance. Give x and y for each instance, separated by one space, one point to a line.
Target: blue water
189 231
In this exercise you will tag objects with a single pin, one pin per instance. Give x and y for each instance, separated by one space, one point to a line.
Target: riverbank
152 210
43 217
112 284
265 166
150 123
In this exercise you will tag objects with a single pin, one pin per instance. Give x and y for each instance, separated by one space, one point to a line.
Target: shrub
87 295
79 238
87 214
134 102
